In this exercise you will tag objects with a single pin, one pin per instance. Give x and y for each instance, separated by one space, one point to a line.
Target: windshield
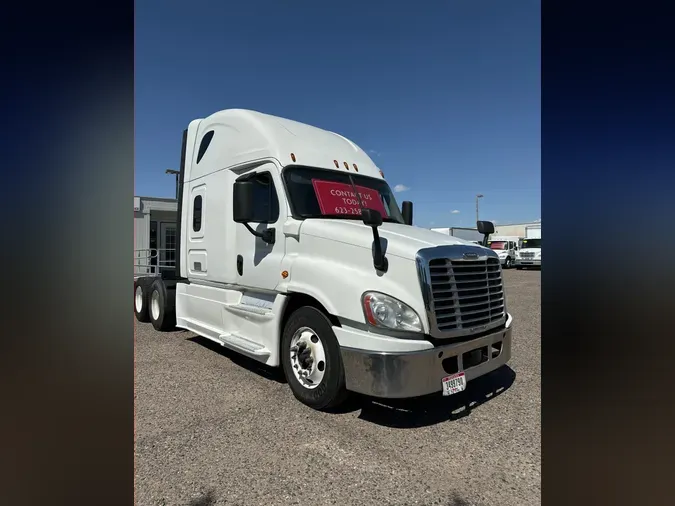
320 193
531 243
497 244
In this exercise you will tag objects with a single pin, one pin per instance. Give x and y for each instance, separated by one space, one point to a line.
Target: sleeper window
197 214
204 145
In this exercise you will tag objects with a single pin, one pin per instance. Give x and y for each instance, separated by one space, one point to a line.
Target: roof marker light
337 165
346 166
381 173
292 157
356 168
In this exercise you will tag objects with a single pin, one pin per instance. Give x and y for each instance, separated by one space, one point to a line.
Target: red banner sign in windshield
339 198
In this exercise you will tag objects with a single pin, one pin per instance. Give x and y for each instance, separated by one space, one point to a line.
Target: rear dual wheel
162 307
141 300
155 303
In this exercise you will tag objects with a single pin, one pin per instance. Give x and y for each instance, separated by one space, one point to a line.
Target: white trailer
533 232
292 250
468 234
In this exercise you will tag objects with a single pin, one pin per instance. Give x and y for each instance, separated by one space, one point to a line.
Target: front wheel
311 360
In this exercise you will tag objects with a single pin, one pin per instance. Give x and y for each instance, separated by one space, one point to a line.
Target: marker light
292 157
337 165
346 166
383 311
381 173
356 168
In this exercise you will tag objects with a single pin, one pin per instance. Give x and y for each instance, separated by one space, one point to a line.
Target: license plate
454 384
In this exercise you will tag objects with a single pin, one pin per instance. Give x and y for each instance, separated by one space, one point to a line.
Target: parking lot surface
216 428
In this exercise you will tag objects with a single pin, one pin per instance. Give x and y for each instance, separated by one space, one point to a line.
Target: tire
509 263
141 301
327 389
161 306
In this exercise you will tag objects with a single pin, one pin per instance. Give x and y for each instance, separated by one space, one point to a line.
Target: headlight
383 311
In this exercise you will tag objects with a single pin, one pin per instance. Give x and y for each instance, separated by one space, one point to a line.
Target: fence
150 262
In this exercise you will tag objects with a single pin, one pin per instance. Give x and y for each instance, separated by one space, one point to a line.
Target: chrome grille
465 294
527 254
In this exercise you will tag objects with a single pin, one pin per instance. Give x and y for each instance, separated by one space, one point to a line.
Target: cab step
244 345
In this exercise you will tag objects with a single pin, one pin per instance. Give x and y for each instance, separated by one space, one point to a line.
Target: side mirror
407 211
371 217
243 201
485 227
243 210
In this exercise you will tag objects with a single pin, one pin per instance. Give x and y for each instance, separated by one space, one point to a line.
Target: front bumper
412 374
528 262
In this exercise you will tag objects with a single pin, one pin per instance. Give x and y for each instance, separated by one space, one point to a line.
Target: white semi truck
292 250
529 254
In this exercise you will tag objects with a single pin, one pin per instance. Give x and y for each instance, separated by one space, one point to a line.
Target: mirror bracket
268 235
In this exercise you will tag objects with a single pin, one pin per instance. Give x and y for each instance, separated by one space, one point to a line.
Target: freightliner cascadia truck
292 250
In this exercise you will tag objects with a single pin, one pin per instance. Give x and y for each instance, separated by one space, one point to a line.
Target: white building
515 229
154 234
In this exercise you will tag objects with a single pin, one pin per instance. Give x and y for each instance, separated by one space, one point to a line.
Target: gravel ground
214 428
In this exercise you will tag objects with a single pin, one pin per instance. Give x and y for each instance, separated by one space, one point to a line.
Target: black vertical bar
179 196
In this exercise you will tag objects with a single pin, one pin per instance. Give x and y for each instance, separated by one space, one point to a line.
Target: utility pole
479 196
177 174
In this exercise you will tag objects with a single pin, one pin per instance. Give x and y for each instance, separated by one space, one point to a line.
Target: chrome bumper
412 374
527 262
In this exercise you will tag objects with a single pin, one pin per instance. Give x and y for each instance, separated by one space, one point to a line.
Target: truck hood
399 240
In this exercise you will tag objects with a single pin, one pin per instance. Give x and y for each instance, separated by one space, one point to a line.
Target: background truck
468 234
529 254
292 250
506 248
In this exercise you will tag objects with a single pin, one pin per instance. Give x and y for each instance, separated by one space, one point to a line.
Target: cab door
258 263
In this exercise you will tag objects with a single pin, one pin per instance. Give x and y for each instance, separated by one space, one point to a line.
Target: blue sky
445 95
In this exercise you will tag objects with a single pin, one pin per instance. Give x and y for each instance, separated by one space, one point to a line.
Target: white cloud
374 152
456 211
400 188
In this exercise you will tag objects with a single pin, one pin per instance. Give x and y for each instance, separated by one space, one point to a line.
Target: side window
204 145
265 198
197 214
